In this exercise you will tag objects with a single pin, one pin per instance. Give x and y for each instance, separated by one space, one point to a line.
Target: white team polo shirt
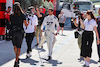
32 23
89 25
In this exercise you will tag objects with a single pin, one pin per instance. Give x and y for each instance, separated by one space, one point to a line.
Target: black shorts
17 39
61 24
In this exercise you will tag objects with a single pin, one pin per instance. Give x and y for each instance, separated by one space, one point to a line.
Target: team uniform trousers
50 41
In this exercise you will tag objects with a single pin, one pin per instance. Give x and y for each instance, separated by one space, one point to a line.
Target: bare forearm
26 24
97 35
59 16
35 28
75 24
58 29
64 21
82 25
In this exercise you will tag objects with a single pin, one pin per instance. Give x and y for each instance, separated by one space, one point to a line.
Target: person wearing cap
62 19
80 31
32 9
30 29
17 19
41 9
7 20
40 16
49 22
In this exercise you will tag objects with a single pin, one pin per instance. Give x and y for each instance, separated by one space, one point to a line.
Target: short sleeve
24 16
35 21
94 23
85 21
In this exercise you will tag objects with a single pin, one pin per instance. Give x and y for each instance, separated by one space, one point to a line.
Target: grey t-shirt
62 18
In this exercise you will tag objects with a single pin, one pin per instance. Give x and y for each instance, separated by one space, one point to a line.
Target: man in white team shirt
49 22
30 30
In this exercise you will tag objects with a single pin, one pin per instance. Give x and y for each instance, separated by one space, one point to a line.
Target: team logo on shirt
49 23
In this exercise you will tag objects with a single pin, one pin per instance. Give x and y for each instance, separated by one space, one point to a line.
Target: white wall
9 3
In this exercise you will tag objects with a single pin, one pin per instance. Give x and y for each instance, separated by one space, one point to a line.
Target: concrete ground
65 53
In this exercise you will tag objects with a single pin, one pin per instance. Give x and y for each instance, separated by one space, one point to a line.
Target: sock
28 54
87 64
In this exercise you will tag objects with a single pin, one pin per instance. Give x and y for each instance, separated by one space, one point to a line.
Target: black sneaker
28 56
16 64
42 47
99 60
49 58
36 44
84 65
18 61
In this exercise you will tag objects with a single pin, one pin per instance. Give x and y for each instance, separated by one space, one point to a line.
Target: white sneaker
30 52
28 55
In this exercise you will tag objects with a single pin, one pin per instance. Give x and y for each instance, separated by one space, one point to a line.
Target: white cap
16 3
51 8
41 7
31 7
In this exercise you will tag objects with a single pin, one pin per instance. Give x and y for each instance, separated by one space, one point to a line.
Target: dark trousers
87 40
29 39
8 26
98 47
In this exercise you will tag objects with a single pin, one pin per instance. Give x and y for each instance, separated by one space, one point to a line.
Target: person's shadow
41 49
92 61
53 62
31 61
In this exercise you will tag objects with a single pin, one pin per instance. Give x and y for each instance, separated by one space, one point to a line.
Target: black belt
88 31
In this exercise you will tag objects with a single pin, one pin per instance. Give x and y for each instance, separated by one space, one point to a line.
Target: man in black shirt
40 20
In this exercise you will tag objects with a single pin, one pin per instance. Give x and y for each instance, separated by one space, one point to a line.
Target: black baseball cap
9 6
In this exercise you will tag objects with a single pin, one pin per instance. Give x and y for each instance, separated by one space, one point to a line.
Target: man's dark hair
51 10
9 6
